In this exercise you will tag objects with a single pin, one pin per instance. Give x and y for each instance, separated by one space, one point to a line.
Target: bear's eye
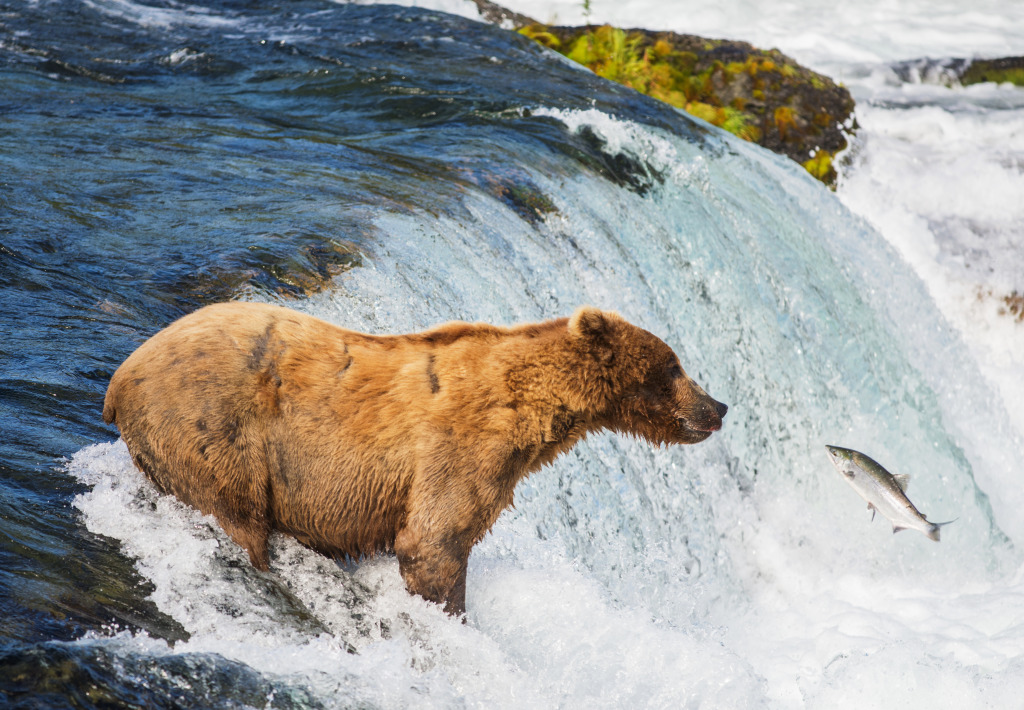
675 371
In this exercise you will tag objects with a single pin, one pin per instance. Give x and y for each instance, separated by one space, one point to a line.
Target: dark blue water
156 158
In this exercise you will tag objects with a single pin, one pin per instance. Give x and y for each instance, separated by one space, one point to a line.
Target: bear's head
641 388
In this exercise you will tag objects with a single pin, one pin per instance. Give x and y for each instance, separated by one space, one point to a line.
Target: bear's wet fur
357 444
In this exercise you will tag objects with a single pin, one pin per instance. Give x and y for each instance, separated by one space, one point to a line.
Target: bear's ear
588 322
593 325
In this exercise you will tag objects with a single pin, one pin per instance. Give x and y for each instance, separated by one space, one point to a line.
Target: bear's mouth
708 425
696 432
704 422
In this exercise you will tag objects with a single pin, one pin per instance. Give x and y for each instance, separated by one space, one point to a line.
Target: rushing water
428 167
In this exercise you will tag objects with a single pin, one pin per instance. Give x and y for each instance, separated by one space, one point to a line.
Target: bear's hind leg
456 603
241 506
252 537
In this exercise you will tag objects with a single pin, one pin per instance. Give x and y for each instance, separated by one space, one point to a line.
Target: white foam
618 135
462 8
149 16
938 171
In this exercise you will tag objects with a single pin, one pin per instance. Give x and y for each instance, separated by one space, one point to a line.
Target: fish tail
933 530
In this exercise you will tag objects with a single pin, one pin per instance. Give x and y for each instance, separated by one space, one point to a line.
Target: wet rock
292 265
1000 71
760 95
90 675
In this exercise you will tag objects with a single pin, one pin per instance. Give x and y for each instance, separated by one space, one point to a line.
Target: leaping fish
883 491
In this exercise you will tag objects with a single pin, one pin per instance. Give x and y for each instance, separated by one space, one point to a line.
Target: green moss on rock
820 166
1000 71
761 96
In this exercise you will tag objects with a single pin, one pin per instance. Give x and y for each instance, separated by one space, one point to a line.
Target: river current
389 168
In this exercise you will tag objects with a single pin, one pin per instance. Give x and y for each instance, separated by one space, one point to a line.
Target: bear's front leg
450 508
434 565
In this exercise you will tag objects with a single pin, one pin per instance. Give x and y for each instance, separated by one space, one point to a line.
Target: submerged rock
761 96
292 265
295 265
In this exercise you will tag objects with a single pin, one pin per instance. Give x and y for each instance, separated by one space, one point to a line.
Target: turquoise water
388 169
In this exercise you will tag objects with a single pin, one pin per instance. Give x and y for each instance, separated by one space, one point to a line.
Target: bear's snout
708 416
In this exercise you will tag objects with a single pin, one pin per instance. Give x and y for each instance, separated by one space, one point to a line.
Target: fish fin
902 480
933 531
896 529
873 510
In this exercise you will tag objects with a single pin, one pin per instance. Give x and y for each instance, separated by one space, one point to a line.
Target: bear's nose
707 415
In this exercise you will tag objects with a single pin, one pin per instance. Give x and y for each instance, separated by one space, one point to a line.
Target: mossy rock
1000 71
760 95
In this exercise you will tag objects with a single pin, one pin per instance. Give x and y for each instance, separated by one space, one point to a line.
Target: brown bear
356 444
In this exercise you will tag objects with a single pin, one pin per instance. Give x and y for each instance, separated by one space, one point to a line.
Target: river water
428 167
